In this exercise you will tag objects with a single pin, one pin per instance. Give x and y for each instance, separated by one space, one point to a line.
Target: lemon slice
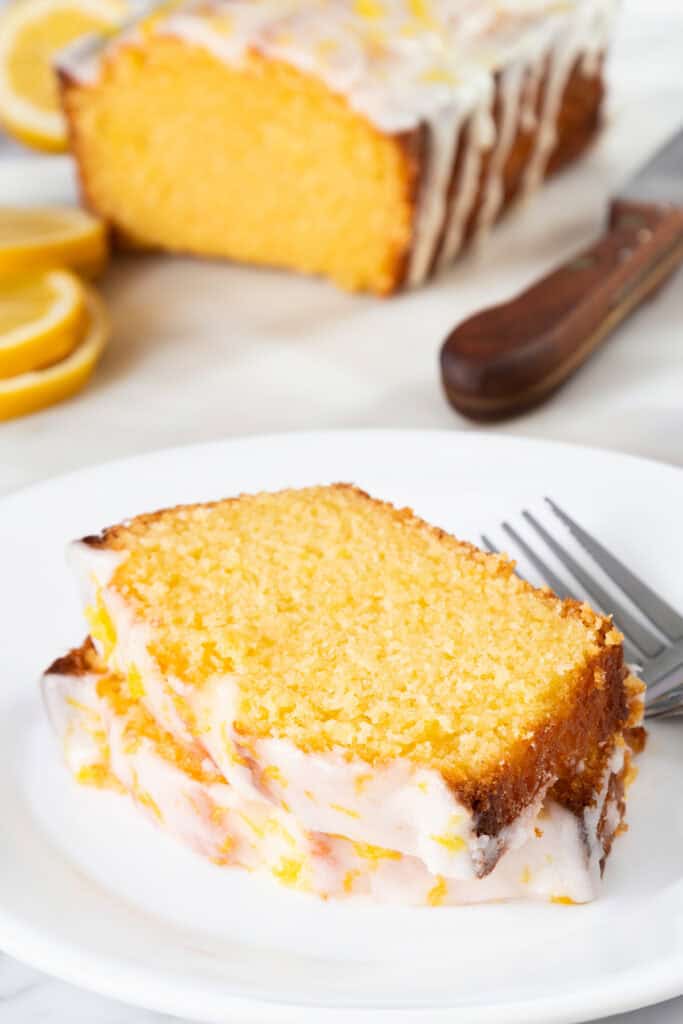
42 319
32 391
31 33
51 236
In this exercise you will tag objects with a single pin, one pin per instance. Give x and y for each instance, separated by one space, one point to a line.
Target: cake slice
111 741
369 674
364 140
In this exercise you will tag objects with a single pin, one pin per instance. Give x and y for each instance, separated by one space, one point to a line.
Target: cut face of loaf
367 672
364 148
111 741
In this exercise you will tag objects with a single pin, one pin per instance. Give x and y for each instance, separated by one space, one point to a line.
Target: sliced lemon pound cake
368 676
364 140
111 741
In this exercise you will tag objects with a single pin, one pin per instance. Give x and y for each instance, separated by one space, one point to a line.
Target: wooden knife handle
509 358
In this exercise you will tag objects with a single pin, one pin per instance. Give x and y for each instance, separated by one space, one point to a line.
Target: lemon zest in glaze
345 810
136 687
98 775
349 879
276 828
437 74
422 13
272 772
454 844
101 625
437 894
76 704
258 830
148 801
289 871
371 10
374 854
227 845
361 781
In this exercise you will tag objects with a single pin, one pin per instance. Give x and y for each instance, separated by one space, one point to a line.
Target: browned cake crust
590 724
582 731
79 661
577 123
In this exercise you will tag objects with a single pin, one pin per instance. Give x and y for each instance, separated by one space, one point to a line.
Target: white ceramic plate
92 893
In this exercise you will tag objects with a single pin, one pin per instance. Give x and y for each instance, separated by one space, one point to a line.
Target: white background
202 351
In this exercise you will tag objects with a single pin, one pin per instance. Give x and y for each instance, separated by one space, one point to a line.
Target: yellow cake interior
239 162
348 623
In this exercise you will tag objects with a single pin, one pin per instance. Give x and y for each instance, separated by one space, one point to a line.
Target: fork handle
509 358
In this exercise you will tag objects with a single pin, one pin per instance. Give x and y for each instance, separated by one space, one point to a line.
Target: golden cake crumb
349 624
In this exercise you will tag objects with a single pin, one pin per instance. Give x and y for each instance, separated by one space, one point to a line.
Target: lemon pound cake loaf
364 140
369 677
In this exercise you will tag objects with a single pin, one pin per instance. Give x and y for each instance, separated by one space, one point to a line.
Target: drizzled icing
405 64
327 823
559 860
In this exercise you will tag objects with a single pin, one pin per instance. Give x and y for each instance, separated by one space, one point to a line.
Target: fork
657 656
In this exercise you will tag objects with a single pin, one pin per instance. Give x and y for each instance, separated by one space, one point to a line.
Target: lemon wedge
29 392
31 33
51 236
42 320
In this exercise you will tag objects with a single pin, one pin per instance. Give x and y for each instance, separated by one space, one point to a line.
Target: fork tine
667 705
675 709
553 581
666 701
652 605
639 635
665 676
661 667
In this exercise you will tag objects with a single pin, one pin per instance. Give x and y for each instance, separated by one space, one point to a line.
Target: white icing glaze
399 807
512 79
481 135
406 63
560 62
442 140
219 822
527 116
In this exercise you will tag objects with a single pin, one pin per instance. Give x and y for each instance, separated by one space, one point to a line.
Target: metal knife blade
660 180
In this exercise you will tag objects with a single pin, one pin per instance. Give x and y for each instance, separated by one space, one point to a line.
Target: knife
509 358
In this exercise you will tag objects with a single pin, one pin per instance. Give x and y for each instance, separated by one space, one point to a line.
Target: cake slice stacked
319 685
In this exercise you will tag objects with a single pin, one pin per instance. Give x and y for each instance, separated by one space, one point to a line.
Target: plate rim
476 435
92 972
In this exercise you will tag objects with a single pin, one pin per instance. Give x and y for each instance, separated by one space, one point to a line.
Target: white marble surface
30 998
203 351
